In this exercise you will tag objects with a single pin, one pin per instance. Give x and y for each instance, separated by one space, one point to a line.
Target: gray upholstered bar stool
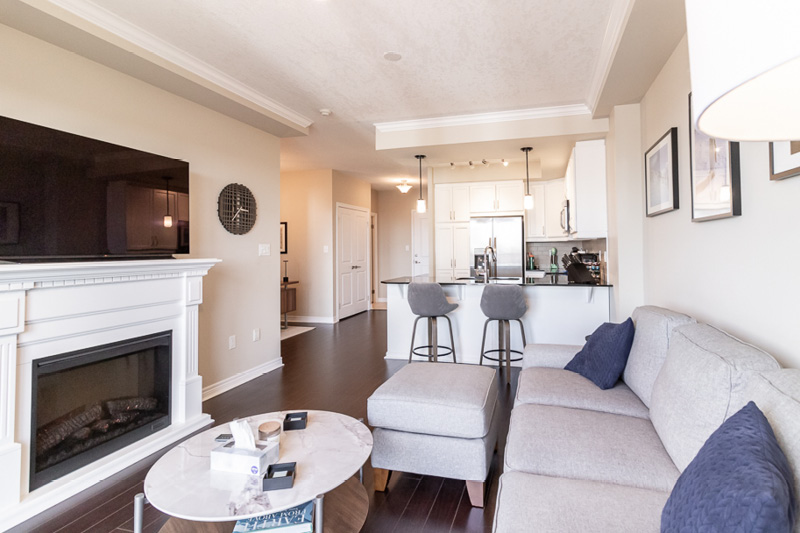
503 303
427 300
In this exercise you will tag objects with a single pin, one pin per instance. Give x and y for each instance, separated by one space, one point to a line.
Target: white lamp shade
744 59
167 221
421 207
528 201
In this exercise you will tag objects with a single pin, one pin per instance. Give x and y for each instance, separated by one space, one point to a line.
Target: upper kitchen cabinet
451 202
585 184
496 197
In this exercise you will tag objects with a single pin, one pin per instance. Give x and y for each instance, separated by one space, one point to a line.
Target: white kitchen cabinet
554 196
452 252
496 197
535 218
586 190
451 202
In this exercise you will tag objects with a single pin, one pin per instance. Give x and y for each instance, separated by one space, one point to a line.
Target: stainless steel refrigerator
505 235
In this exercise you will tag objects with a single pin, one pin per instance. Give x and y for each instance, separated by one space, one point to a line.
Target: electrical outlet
325 249
232 342
256 334
264 249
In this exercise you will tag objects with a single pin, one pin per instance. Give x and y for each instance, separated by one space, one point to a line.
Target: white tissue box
252 462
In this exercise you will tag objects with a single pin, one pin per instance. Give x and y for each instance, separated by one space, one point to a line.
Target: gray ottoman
437 419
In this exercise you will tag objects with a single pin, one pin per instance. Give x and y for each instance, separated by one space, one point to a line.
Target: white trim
313 319
135 35
240 379
620 13
374 284
483 118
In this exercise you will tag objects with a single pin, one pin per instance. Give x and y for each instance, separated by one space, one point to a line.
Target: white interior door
352 242
420 255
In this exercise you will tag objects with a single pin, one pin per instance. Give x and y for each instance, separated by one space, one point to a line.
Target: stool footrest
443 351
501 358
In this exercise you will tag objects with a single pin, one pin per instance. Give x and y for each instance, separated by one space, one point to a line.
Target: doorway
352 264
420 244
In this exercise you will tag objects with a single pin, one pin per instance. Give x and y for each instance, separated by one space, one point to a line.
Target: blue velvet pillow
740 480
604 355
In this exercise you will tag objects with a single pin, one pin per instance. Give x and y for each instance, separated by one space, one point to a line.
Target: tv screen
67 197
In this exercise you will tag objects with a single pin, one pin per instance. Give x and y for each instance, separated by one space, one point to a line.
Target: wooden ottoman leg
475 491
381 477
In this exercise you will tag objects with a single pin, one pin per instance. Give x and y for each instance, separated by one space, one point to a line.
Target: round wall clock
236 208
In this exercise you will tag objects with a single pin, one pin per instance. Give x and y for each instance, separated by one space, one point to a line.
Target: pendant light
404 187
745 89
528 198
167 217
421 207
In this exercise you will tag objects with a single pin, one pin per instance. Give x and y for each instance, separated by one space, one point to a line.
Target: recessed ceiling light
392 56
325 112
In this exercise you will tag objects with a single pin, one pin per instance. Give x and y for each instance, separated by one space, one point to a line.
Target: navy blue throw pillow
604 355
740 480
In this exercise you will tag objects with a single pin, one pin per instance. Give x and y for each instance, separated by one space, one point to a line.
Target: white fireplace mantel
52 308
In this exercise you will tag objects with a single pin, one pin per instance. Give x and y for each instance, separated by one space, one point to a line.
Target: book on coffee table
297 519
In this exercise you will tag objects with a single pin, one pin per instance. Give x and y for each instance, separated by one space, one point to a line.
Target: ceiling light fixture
404 187
749 91
325 112
421 207
167 217
452 166
505 163
528 202
485 162
471 166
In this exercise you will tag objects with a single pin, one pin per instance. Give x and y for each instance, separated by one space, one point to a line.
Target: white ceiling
458 57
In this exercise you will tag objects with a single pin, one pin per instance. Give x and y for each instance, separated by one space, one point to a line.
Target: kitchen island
558 313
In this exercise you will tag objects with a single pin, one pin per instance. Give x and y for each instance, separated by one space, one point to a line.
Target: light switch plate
325 249
232 342
263 249
256 334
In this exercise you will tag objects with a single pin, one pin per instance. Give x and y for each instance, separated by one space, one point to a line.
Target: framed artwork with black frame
784 159
661 175
284 245
715 175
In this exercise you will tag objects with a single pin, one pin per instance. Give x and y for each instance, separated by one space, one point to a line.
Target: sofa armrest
549 355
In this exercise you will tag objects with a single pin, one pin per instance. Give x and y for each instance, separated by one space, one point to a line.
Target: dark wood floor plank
334 368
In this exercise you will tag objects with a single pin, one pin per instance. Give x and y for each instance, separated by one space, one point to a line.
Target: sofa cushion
548 355
777 394
649 348
556 386
527 502
581 444
739 481
436 399
603 358
701 384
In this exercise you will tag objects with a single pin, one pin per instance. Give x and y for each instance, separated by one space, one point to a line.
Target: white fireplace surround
52 308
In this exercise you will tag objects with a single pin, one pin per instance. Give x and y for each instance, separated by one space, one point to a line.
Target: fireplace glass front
90 403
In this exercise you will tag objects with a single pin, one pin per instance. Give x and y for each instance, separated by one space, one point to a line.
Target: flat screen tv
64 197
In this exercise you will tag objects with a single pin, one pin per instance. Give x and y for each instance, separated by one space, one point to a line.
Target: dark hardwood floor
333 368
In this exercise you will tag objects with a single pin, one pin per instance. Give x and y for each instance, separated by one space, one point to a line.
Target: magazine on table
297 519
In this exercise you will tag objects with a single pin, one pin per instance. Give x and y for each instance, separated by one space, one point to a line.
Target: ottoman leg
381 477
475 491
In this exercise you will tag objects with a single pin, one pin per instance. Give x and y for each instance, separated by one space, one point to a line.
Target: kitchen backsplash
541 250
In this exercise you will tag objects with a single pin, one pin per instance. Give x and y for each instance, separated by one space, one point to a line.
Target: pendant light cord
420 158
527 173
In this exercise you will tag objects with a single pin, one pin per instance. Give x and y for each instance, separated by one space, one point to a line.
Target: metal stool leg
522 330
507 343
413 336
452 339
433 328
483 341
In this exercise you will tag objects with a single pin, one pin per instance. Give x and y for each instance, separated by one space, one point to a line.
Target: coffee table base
346 509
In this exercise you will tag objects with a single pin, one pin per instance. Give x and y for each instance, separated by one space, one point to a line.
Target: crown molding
617 20
483 118
131 33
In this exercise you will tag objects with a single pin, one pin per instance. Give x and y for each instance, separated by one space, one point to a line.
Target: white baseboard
313 319
239 379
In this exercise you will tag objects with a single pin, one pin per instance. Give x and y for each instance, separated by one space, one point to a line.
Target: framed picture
283 237
715 176
661 175
9 223
784 159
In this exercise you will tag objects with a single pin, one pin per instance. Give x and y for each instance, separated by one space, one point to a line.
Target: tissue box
252 462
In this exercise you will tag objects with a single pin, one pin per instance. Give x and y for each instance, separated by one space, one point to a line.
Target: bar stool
427 300
503 303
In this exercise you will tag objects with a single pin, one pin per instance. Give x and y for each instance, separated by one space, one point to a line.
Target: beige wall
46 85
306 204
394 234
735 273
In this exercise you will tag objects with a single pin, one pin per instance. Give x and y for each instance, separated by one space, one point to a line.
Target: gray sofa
578 458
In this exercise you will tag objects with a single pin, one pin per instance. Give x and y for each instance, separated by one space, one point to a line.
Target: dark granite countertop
561 281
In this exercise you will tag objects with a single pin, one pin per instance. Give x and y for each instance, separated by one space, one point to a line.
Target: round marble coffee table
328 452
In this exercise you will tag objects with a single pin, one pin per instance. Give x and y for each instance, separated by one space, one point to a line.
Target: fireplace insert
90 403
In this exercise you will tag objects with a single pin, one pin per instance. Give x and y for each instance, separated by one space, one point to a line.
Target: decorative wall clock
236 208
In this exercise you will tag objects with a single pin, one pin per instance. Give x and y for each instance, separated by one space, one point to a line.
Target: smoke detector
325 112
